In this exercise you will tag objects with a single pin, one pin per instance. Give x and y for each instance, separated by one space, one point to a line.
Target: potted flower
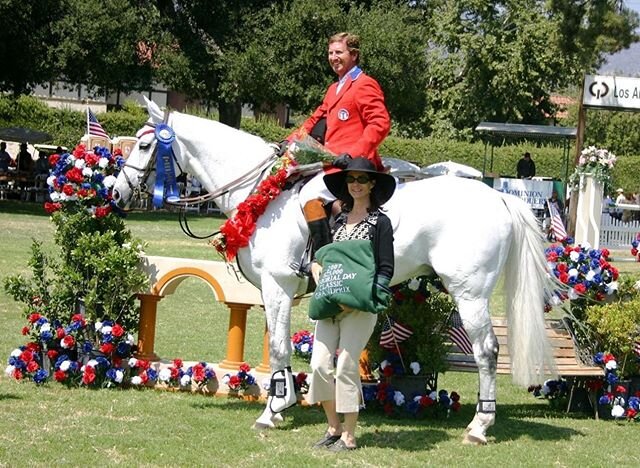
594 162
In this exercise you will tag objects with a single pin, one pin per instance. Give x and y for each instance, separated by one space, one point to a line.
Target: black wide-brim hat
384 187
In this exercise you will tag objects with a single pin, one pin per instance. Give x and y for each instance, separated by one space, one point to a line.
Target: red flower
52 354
634 252
177 363
580 288
594 384
614 272
419 298
26 356
599 296
17 374
52 207
244 367
234 382
456 406
564 278
32 366
78 318
102 211
621 389
67 189
60 333
91 159
388 371
60 376
197 373
562 267
68 342
142 364
605 253
34 318
388 408
144 377
79 151
454 396
631 413
117 330
175 372
552 256
89 375
53 159
426 401
33 347
107 348
301 378
75 175
25 330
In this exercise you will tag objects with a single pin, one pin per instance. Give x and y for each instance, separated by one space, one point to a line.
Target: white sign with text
534 192
611 92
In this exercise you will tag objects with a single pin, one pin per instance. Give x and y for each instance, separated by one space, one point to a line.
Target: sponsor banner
534 192
611 92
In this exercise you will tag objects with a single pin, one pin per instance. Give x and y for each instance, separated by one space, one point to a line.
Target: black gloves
282 147
342 161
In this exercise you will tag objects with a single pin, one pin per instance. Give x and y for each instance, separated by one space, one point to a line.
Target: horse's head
138 173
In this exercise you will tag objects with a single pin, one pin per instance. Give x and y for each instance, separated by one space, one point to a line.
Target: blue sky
626 62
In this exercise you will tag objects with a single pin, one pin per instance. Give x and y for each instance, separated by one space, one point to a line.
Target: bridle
183 202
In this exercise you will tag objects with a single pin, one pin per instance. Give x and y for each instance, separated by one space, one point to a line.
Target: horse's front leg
478 325
277 296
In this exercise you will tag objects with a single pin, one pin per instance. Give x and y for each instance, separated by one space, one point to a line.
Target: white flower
612 287
415 367
55 197
589 276
9 370
398 398
555 300
574 256
119 376
16 352
71 159
79 163
612 365
98 325
417 398
304 348
266 383
51 180
106 330
185 380
225 379
103 162
164 375
433 395
64 367
137 380
210 367
572 294
545 390
636 286
132 362
414 284
617 411
109 181
92 363
45 327
586 245
384 364
573 272
87 172
130 340
619 400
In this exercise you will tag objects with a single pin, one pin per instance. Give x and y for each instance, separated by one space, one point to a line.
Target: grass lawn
53 425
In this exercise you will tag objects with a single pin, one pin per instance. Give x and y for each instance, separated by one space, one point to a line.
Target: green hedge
68 126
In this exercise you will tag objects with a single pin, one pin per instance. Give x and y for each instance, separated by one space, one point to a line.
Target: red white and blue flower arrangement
394 402
83 177
240 381
634 247
615 395
585 271
302 342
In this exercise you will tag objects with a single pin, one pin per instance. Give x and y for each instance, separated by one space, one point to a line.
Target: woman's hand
316 271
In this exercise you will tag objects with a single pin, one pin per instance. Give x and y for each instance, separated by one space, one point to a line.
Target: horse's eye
145 146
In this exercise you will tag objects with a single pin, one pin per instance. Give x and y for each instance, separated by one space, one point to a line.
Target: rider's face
340 58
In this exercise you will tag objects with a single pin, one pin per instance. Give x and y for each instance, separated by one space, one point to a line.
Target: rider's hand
316 271
282 147
342 161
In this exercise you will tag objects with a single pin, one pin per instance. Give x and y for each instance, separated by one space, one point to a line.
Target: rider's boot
316 218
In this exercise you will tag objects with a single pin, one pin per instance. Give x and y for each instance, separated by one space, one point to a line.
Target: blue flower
612 378
40 376
87 347
41 321
60 360
369 392
152 374
123 349
634 402
251 379
46 336
111 374
604 400
103 361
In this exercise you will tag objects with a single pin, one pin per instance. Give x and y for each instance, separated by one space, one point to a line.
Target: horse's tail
527 285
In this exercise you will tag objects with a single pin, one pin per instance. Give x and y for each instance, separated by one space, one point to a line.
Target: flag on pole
458 334
93 126
557 226
393 332
636 348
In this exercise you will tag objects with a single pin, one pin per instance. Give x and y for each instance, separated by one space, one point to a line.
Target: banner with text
534 192
611 92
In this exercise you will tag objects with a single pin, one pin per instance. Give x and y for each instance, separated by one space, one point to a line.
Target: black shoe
301 270
340 446
327 441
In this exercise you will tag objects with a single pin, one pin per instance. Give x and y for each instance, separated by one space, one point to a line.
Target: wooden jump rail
564 354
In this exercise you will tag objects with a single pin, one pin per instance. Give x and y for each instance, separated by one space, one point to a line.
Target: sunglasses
361 179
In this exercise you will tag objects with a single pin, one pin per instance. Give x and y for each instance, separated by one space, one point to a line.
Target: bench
564 353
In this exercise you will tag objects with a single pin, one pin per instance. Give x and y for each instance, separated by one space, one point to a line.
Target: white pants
349 332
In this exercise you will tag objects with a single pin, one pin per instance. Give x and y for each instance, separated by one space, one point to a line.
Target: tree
27 29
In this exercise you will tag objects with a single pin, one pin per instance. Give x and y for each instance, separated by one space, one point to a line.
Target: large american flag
557 226
393 332
458 334
93 126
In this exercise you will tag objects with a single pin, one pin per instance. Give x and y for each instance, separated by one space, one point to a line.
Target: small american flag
557 226
458 334
393 333
93 126
636 348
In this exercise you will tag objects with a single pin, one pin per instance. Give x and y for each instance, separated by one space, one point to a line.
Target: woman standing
361 191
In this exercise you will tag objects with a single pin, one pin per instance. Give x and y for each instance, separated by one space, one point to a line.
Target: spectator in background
42 164
628 215
5 158
526 168
25 161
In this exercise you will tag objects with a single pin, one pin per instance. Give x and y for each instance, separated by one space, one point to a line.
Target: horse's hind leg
477 323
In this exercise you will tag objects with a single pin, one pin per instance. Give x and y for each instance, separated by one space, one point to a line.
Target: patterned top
361 231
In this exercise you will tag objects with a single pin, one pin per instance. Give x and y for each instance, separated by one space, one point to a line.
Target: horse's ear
154 111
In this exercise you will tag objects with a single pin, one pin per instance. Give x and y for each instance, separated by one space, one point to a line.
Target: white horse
464 231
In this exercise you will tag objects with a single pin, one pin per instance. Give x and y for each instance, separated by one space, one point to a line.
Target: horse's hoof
474 439
277 418
262 425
